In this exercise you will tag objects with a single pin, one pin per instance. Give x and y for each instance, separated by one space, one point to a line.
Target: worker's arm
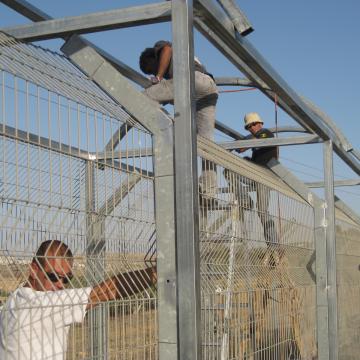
164 61
122 286
241 150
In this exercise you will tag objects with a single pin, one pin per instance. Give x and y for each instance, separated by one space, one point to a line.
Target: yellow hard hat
252 118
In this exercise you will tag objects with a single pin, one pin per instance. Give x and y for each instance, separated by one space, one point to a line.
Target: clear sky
313 45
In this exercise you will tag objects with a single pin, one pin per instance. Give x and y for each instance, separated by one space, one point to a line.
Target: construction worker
36 318
157 61
254 124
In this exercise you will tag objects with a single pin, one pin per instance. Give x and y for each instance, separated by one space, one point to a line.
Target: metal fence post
322 325
186 191
95 261
331 250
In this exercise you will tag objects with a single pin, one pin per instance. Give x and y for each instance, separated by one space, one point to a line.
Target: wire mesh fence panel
348 286
77 238
257 248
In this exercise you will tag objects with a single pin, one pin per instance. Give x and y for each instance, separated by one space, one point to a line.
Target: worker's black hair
52 248
148 61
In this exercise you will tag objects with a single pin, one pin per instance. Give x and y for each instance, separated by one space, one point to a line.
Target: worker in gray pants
157 61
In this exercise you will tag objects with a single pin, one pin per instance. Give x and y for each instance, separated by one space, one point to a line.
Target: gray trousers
263 199
206 96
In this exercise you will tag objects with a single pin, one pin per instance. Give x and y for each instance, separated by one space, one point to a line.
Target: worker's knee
162 92
204 85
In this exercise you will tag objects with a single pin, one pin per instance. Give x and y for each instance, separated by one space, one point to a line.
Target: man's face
53 275
254 127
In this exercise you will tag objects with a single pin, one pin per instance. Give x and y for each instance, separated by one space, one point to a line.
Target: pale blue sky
314 46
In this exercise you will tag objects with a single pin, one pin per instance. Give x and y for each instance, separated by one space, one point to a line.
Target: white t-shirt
35 324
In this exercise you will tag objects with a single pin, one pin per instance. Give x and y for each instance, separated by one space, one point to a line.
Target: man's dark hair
148 61
54 248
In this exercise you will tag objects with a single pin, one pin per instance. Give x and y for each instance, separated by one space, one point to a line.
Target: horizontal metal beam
218 28
279 129
51 145
238 136
34 139
125 153
283 129
100 21
241 144
228 131
320 184
246 142
234 81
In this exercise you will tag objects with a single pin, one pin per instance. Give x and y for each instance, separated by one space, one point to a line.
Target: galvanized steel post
331 251
186 188
95 258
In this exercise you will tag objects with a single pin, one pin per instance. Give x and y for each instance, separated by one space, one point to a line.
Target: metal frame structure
178 250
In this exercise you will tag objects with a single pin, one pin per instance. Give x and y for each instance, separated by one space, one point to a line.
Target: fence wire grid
74 167
65 174
348 284
258 297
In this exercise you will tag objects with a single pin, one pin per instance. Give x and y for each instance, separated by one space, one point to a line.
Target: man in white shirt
36 318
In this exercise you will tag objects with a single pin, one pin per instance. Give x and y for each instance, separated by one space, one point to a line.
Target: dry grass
132 335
